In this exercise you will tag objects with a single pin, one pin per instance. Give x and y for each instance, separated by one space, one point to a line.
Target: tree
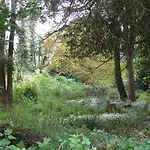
8 22
97 29
92 70
130 16
118 75
2 69
10 53
21 55
32 45
142 62
93 34
142 59
3 26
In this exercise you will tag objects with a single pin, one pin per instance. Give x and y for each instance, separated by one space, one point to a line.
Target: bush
24 91
44 87
144 96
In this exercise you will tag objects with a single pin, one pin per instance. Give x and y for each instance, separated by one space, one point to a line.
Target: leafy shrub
24 91
46 94
144 96
5 140
43 86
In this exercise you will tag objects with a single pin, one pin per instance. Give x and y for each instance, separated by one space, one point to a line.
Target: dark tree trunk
10 55
130 73
10 66
118 77
2 72
130 32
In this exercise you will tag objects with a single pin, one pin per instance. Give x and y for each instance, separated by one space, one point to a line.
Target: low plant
144 96
6 141
78 139
42 86
120 124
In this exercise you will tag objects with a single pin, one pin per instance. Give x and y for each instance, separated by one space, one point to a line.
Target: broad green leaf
4 142
8 132
11 137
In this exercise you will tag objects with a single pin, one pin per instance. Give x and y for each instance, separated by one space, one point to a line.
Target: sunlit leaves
4 12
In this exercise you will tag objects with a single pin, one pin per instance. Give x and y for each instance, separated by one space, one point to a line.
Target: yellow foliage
81 68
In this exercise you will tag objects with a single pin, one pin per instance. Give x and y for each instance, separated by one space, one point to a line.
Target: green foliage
109 122
5 142
144 96
4 11
83 140
45 144
48 98
58 113
44 93
78 142
119 123
43 86
24 91
142 66
61 87
54 104
98 139
3 116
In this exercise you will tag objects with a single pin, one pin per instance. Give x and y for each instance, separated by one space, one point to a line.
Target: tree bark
118 77
10 55
130 36
10 67
130 73
2 72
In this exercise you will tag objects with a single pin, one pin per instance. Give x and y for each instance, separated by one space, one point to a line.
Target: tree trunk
10 68
118 77
130 73
130 36
10 55
2 72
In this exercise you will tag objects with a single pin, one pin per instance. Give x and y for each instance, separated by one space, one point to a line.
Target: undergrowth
44 87
81 139
59 108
